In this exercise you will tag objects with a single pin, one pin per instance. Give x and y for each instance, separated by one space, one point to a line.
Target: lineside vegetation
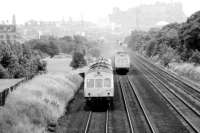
172 43
176 45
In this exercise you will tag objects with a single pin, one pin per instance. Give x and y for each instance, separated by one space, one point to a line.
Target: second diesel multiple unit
122 61
99 84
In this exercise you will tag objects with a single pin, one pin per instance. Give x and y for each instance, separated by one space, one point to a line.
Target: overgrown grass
186 69
33 104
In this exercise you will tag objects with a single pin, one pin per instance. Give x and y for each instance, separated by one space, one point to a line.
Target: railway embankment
7 86
185 71
36 102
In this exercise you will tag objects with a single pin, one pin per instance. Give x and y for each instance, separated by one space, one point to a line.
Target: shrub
46 47
3 72
150 48
195 58
42 66
167 57
78 60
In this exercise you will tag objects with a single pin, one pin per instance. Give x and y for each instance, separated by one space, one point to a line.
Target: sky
91 10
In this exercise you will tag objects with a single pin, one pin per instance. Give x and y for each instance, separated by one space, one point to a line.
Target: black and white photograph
100 66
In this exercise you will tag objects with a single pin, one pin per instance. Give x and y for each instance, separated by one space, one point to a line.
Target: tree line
77 46
175 42
19 60
24 59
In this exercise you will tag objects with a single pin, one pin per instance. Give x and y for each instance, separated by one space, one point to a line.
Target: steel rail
146 114
184 90
88 122
177 95
107 121
86 129
171 75
126 107
174 106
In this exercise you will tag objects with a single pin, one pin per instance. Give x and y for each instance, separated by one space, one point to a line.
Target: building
8 31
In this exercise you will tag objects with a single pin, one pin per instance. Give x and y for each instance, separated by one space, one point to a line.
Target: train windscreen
107 82
98 83
90 83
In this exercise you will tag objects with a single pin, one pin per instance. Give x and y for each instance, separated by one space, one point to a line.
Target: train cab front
99 93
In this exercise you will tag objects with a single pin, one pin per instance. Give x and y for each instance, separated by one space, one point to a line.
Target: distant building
8 31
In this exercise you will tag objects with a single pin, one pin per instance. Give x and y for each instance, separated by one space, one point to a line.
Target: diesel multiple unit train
122 62
99 79
99 84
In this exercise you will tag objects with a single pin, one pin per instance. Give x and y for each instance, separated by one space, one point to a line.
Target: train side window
90 83
107 82
98 83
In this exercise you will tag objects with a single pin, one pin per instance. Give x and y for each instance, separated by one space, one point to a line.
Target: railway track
134 111
119 120
189 100
80 119
126 108
184 108
92 122
190 90
88 123
137 111
185 82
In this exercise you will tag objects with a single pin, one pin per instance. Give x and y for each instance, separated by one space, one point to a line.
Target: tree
47 47
150 48
189 36
67 38
42 66
136 40
167 56
9 61
78 60
195 57
3 72
18 60
79 39
52 49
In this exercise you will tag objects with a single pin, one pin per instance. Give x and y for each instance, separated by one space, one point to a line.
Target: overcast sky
91 10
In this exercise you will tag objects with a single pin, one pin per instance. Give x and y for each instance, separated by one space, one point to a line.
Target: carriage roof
101 64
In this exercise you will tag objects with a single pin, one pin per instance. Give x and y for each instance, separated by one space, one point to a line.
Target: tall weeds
33 104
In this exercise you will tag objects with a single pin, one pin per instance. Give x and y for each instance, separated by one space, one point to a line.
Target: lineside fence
5 92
